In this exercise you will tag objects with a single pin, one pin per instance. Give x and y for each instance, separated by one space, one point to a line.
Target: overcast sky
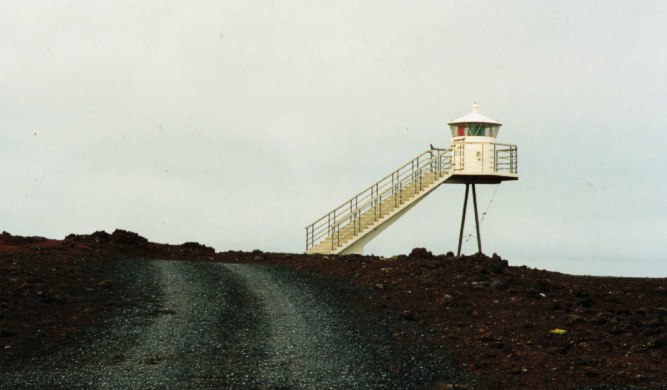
237 123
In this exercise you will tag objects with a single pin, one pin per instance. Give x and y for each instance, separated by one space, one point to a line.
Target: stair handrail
375 202
376 193
401 181
356 213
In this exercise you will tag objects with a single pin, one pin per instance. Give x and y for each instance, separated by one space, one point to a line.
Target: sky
238 123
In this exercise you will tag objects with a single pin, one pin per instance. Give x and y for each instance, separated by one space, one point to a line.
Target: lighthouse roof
475 117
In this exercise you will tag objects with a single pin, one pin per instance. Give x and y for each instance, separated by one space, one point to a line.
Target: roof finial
475 107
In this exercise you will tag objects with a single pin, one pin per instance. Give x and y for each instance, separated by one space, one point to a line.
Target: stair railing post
441 167
439 164
338 235
354 225
380 206
356 220
373 202
430 159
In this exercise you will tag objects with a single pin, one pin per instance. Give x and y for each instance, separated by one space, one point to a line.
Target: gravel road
212 325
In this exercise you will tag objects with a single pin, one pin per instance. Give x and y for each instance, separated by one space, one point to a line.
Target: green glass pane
476 129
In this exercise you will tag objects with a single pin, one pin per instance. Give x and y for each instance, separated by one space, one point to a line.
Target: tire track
237 326
306 347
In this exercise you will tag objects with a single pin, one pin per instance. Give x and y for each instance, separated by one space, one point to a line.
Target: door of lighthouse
458 155
471 156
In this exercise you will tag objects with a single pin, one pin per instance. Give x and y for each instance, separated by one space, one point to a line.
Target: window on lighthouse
480 130
474 130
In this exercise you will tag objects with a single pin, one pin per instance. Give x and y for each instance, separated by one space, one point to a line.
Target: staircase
347 228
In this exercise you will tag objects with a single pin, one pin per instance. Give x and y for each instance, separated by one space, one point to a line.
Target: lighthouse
476 158
473 157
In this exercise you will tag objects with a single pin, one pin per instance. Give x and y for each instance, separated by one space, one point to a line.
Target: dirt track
215 325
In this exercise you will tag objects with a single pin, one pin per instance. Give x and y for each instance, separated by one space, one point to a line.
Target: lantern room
476 156
474 125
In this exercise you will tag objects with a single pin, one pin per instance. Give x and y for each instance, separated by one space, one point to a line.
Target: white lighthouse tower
474 157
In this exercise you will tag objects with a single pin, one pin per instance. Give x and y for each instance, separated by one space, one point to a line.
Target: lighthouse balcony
481 160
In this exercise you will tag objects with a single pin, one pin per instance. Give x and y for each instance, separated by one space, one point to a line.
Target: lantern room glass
474 130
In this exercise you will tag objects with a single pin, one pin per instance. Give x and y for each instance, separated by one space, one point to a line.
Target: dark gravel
208 325
81 312
321 336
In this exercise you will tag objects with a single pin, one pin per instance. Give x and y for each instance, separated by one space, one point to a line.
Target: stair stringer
356 245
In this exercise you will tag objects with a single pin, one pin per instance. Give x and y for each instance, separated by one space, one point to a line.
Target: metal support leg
463 219
474 202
